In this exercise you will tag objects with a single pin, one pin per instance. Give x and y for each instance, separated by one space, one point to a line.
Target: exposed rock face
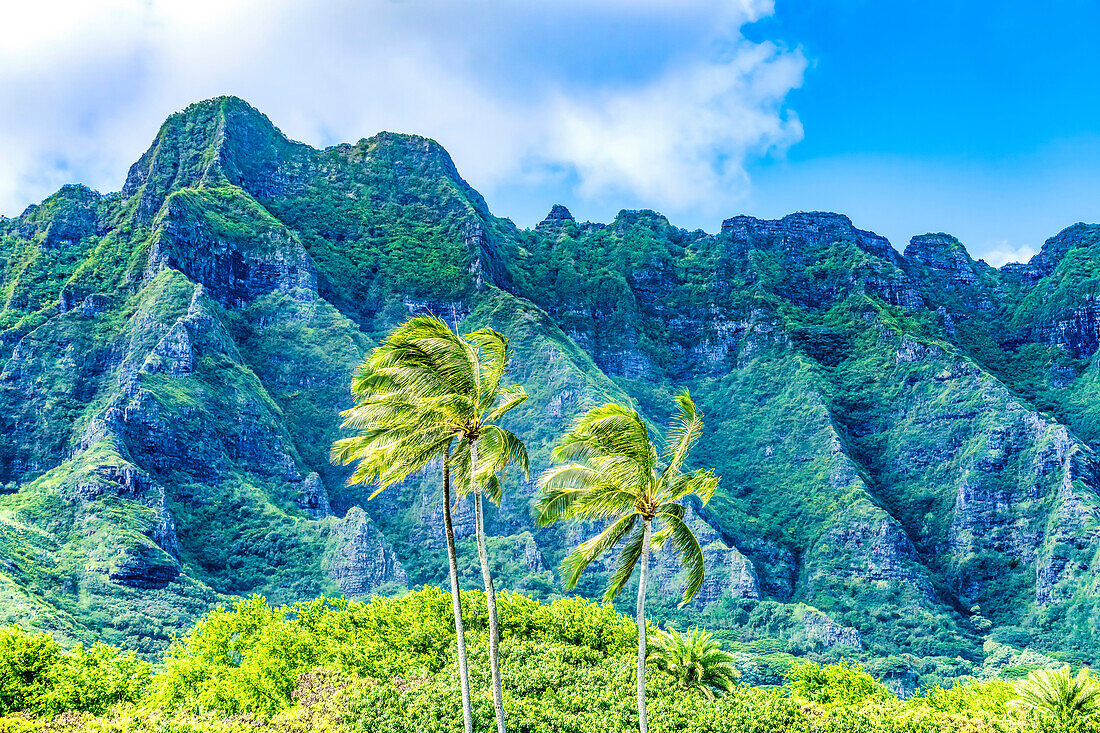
1051 254
942 253
864 543
952 281
213 142
558 215
313 498
359 558
1069 559
820 627
727 570
64 219
1076 330
144 565
796 231
235 272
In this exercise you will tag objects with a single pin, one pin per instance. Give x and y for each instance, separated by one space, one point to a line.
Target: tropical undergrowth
389 665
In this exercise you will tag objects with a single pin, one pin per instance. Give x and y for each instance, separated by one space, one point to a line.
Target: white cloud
1001 253
658 101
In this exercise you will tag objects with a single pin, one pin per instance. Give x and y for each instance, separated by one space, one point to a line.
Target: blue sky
978 119
981 119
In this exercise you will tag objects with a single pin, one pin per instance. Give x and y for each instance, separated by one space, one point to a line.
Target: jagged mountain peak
647 218
406 155
806 228
1052 252
558 215
221 140
939 251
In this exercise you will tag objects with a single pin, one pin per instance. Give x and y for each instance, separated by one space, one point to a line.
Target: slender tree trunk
643 582
490 597
456 598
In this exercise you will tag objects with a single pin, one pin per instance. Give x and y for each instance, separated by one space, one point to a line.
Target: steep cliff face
902 439
1060 299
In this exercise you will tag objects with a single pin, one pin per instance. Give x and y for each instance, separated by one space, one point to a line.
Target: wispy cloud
1001 253
663 102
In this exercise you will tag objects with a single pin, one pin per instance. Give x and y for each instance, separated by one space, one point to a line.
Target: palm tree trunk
456 598
490 598
643 581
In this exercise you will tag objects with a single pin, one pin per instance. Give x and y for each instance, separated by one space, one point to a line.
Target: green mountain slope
905 440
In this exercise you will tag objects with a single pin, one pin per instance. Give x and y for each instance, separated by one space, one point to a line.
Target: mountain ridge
903 436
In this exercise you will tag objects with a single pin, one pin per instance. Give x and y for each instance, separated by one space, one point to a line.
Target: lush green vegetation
389 665
906 450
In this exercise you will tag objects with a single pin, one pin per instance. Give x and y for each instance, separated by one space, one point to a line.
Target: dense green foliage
387 665
37 676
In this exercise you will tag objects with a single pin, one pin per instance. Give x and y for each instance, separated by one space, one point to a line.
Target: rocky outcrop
1069 559
358 557
822 629
1076 329
950 279
64 219
313 499
235 266
728 572
867 545
214 142
143 565
797 236
1054 249
558 216
943 254
798 231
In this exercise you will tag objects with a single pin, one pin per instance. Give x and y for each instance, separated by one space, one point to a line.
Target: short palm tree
612 472
1060 694
438 393
694 660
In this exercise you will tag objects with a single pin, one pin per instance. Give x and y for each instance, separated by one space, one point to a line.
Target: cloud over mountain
664 103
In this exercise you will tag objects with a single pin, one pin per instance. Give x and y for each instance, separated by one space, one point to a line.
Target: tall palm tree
390 421
1059 693
437 391
612 472
694 660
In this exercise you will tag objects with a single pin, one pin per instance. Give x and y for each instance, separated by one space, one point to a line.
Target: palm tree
695 660
613 473
389 422
436 391
1060 694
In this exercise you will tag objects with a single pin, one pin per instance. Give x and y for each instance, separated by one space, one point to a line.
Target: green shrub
37 676
841 683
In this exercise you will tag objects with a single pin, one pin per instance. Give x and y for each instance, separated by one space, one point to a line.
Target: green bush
841 683
37 676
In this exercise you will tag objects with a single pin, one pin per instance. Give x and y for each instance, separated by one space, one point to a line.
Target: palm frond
625 563
492 354
1059 693
691 553
608 430
695 660
702 483
581 557
686 427
507 399
501 448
